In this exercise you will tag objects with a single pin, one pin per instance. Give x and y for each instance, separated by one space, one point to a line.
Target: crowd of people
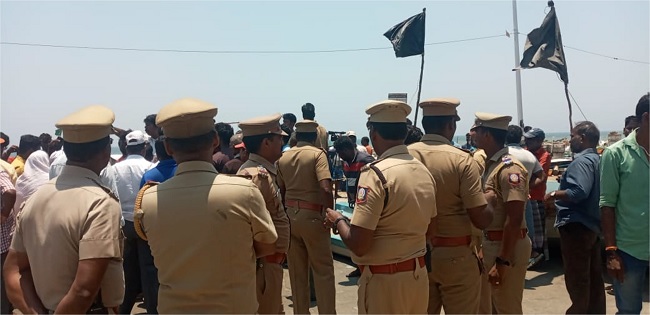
197 218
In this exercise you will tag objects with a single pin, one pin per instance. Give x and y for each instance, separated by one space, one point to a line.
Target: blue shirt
581 181
162 172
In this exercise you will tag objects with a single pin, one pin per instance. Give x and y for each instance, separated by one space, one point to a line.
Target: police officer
306 185
68 239
395 207
506 246
455 279
263 138
205 230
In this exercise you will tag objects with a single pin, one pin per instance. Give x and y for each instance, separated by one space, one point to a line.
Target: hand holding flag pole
407 38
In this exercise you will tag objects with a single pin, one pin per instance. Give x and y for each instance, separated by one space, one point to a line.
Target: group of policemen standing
434 227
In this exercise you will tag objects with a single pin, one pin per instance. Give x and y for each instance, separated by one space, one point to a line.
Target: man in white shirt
128 175
535 173
353 136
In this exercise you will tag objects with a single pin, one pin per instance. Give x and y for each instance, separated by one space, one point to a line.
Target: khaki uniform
300 169
269 273
455 279
509 179
399 224
71 218
201 228
480 157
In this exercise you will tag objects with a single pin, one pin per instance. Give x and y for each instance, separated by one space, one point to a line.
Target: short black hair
290 116
436 124
527 128
45 137
628 119
514 134
6 137
308 111
150 119
306 136
589 130
83 152
253 143
161 152
28 143
499 135
135 149
365 139
642 106
225 132
193 144
413 135
344 142
389 131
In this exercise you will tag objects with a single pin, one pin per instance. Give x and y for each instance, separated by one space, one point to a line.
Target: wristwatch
501 261
335 229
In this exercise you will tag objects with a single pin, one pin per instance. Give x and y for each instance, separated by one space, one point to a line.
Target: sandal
533 261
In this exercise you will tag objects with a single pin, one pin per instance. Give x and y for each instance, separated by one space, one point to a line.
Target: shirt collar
497 156
77 171
586 151
518 145
630 140
264 162
135 157
304 144
435 139
195 166
398 149
165 162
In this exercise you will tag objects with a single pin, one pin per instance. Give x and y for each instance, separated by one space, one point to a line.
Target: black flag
544 47
407 37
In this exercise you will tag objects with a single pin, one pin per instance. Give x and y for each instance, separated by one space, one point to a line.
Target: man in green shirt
625 207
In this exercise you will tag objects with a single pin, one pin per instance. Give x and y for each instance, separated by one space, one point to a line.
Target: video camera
335 135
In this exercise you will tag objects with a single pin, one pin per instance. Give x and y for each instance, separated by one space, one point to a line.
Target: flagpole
566 93
520 110
417 107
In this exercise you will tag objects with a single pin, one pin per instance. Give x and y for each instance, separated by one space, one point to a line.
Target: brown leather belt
303 205
407 265
277 258
451 241
496 236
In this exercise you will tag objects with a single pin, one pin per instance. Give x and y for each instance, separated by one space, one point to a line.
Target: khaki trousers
454 281
269 287
507 297
310 248
398 293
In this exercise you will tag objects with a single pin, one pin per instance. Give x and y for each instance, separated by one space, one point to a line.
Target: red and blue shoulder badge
262 171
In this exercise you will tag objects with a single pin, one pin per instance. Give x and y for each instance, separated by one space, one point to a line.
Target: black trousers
583 267
140 273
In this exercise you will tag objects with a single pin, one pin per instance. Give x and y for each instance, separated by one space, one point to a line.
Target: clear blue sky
40 85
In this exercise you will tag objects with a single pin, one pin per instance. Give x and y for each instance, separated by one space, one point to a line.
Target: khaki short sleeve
370 201
261 223
513 183
279 178
102 235
322 167
471 192
17 241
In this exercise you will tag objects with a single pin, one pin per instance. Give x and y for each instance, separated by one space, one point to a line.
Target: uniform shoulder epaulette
506 159
246 176
138 214
106 189
464 150
262 171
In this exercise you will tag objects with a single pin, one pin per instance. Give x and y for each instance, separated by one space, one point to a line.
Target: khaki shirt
201 227
509 180
400 227
480 157
458 183
68 219
300 170
264 177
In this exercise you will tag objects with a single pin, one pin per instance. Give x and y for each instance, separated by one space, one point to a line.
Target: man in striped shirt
354 161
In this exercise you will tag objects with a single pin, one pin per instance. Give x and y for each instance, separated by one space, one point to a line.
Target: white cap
351 133
136 137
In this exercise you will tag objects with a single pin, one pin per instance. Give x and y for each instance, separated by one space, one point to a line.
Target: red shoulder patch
514 179
362 194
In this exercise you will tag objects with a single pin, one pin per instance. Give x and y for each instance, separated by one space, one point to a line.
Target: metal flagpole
415 121
520 111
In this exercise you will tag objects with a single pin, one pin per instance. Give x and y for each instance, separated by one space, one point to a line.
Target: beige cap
440 107
306 126
388 112
87 124
186 118
262 126
489 120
